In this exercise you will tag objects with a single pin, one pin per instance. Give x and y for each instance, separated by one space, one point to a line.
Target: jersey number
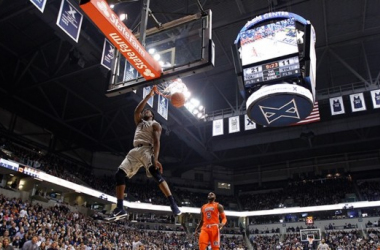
208 215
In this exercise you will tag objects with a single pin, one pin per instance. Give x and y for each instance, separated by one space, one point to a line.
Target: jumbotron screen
268 41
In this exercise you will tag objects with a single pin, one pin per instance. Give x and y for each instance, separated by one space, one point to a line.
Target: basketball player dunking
210 224
145 154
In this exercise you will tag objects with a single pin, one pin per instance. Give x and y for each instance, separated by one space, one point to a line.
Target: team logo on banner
336 106
375 96
217 127
108 54
233 124
357 102
163 105
288 110
146 91
40 4
248 123
70 20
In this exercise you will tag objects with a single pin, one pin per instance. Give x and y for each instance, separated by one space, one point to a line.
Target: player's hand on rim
153 90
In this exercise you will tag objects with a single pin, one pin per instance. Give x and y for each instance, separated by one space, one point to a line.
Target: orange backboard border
122 38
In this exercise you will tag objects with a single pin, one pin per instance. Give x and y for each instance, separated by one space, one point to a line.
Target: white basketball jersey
144 133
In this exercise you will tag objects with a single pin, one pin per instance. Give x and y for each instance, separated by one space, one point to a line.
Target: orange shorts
210 235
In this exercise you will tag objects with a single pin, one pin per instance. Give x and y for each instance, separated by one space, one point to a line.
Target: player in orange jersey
210 224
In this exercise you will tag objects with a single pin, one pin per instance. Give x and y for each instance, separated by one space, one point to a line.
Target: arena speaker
275 63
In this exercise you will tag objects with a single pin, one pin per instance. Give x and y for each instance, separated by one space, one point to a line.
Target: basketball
177 99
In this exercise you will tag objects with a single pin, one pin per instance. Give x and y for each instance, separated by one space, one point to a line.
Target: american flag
313 117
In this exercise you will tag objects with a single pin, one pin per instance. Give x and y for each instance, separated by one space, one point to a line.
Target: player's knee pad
120 177
156 174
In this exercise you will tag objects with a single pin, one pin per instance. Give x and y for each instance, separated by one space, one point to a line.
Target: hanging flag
163 105
233 124
217 127
375 96
146 91
313 117
248 123
336 106
70 20
130 72
108 54
40 4
357 102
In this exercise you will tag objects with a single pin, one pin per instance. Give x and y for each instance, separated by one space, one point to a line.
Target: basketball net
167 88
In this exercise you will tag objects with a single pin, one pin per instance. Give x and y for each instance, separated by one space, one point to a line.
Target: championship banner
233 124
108 54
248 123
121 37
375 96
70 20
163 105
336 106
146 91
357 102
40 4
217 127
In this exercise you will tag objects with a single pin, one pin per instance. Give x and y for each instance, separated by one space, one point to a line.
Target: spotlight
187 94
195 102
123 17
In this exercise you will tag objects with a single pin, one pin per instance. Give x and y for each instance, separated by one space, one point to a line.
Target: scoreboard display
275 64
271 71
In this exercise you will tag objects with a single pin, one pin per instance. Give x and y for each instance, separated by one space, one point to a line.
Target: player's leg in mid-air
130 166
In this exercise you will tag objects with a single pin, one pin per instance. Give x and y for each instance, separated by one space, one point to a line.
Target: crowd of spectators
296 193
266 231
347 240
197 199
336 240
369 190
58 228
303 193
261 242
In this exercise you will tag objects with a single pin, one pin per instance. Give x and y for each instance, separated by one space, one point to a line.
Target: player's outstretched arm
141 105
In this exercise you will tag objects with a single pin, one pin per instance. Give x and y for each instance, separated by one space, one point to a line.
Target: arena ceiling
42 81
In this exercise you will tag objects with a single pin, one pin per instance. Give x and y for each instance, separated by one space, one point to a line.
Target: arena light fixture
123 16
196 108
